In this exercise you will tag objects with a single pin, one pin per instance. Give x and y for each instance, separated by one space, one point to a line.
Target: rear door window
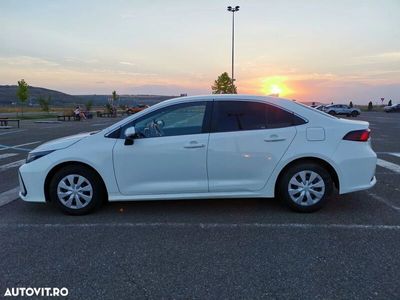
248 115
238 115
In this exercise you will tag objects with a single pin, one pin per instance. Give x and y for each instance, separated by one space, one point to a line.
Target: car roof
230 97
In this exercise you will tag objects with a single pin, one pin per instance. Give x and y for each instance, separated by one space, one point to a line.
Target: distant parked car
136 109
392 108
320 107
341 109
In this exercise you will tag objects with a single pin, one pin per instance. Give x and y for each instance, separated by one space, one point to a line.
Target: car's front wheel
76 190
354 113
305 187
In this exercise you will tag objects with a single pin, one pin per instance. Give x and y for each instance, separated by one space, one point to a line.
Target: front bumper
22 187
31 180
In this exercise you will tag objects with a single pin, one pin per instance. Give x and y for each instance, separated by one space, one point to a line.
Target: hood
62 142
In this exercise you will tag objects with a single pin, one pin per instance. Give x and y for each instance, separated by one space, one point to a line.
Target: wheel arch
58 167
310 159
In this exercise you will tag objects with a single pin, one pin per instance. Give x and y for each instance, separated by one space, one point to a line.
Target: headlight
35 155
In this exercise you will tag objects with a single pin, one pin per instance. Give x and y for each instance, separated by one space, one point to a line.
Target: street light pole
233 10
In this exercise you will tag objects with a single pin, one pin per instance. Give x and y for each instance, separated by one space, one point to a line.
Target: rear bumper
360 187
357 164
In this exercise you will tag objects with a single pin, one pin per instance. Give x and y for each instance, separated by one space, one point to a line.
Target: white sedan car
205 147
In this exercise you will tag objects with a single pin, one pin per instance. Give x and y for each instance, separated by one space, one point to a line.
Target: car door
247 140
169 154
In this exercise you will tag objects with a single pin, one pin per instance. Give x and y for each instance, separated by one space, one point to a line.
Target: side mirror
130 134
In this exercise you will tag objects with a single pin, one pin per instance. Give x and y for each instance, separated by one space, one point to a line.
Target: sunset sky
308 50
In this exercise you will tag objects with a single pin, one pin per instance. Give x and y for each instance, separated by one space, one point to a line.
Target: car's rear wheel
332 113
354 113
77 190
305 187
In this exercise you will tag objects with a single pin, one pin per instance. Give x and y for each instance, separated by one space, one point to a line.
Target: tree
224 85
114 96
351 104
108 108
370 106
390 102
22 93
89 105
45 103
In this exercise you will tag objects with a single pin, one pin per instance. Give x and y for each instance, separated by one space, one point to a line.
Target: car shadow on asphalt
343 209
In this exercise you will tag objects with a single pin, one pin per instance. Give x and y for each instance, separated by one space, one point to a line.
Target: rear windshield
316 110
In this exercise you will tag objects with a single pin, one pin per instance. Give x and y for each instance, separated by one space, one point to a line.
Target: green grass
36 116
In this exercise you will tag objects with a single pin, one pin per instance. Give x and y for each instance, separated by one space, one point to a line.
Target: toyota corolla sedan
205 147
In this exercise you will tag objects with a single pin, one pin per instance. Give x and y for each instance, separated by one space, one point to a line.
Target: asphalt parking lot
204 249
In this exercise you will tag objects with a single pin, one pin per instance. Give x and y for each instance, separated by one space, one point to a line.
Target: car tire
309 199
332 112
77 190
354 113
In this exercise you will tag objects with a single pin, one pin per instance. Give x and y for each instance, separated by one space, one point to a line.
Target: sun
276 90
275 85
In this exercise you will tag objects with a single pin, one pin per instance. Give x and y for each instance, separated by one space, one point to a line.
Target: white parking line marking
388 165
9 196
205 225
383 200
7 155
12 165
17 146
31 143
54 126
9 132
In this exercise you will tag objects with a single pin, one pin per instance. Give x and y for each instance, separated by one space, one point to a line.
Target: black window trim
212 123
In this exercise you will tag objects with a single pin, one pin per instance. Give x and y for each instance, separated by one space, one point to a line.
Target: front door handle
194 145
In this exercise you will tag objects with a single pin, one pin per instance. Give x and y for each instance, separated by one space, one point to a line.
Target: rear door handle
274 139
194 145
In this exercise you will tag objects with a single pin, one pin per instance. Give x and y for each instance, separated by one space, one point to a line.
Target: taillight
358 135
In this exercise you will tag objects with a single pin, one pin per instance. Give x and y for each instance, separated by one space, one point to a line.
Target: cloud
128 16
80 61
388 56
127 63
27 61
379 58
